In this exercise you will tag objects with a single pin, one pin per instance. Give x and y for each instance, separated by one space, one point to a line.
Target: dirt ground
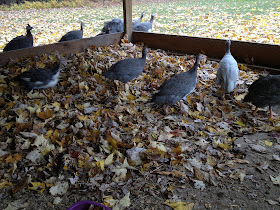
150 191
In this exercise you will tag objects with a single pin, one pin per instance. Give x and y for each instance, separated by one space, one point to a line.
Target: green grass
248 20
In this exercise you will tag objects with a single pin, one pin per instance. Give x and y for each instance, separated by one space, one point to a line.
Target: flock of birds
113 26
263 92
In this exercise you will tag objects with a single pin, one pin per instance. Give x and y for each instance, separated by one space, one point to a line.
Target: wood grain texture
265 55
74 46
127 14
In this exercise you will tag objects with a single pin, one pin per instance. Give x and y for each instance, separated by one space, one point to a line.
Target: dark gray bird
39 78
178 86
72 35
145 26
114 26
20 42
137 21
227 74
264 92
127 69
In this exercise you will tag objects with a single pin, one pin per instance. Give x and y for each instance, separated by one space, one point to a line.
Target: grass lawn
246 20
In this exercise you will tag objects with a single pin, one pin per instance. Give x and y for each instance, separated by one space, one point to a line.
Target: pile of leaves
90 133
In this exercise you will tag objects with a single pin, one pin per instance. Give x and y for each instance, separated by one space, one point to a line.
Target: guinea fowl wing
174 89
264 92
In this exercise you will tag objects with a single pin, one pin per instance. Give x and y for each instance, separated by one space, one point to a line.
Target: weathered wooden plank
127 14
266 55
74 46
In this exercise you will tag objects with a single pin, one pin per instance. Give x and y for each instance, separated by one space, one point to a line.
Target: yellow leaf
239 123
38 186
268 143
101 165
4 183
112 141
55 104
48 134
109 159
223 146
178 205
82 117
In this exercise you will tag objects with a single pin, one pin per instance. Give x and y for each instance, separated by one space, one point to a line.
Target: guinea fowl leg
255 112
167 110
271 113
45 93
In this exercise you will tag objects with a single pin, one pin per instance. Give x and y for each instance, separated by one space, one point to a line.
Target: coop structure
257 55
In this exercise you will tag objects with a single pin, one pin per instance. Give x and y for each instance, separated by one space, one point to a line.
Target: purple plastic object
84 205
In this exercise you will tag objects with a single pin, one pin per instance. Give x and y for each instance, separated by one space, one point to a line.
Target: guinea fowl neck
228 47
194 68
144 53
152 18
28 32
81 26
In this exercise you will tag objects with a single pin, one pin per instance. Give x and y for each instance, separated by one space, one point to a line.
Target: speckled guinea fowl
127 69
137 21
72 35
264 92
178 87
114 26
145 26
21 42
227 73
39 78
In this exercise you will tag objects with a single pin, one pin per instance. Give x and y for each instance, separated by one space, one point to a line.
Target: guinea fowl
137 21
145 26
264 92
127 69
39 78
113 26
20 42
178 86
227 74
72 35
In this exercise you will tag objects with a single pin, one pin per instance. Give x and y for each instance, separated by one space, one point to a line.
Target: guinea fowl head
141 17
228 46
28 29
199 57
152 18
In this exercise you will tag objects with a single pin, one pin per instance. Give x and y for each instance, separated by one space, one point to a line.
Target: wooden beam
74 46
127 14
266 55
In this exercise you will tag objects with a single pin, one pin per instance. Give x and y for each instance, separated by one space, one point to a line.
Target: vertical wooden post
127 14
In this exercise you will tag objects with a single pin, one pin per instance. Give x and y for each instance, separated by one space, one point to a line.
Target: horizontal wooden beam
74 46
265 55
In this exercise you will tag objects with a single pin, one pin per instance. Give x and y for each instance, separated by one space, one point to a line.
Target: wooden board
127 14
265 55
74 46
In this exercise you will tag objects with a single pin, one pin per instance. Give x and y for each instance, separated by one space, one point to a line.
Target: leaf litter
93 134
